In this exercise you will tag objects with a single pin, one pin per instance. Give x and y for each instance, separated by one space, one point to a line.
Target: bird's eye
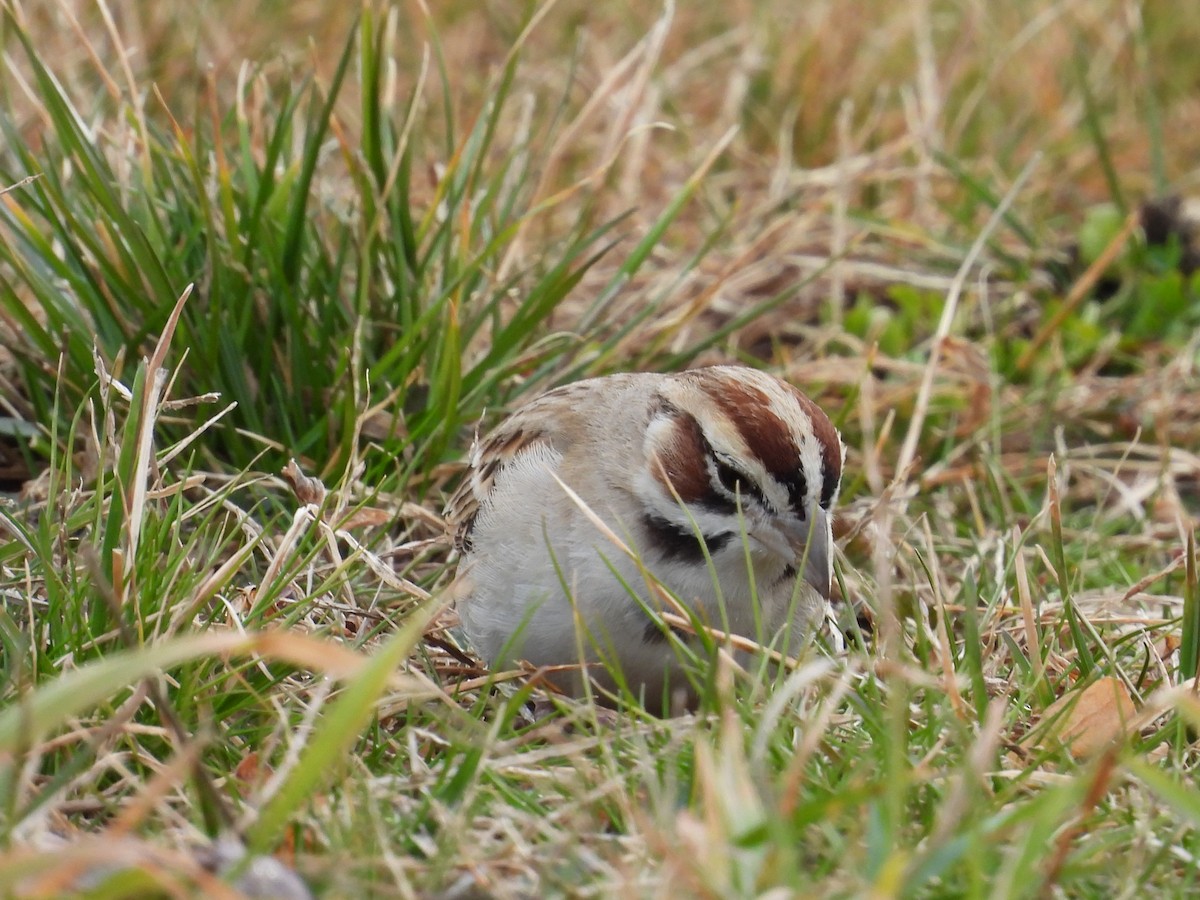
729 477
737 482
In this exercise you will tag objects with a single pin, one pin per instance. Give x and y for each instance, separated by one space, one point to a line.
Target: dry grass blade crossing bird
724 463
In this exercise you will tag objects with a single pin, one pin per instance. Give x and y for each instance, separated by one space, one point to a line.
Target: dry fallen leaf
1089 720
306 488
1167 645
367 517
251 769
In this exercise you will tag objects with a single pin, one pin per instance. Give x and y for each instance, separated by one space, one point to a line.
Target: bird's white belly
554 590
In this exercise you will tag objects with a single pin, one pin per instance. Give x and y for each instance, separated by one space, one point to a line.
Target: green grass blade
348 715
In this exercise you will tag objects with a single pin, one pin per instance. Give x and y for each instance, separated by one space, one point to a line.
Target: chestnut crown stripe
749 408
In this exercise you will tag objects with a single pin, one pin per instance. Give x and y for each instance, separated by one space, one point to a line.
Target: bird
722 480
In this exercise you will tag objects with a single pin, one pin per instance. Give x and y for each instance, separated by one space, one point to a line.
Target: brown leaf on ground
306 488
367 517
1089 720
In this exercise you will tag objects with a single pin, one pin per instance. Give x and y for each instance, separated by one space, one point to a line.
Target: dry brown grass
841 152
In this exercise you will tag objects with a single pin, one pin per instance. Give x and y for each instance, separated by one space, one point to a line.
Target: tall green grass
378 285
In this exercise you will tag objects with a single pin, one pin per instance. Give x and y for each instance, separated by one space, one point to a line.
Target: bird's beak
812 544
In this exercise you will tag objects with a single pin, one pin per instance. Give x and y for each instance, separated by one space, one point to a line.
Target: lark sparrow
723 479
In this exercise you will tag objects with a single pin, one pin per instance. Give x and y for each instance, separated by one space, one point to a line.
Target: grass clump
946 228
400 284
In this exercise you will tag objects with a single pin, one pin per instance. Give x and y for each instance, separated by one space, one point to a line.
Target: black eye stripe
797 488
829 486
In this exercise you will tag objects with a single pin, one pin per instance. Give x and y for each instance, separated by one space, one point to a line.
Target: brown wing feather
488 458
553 417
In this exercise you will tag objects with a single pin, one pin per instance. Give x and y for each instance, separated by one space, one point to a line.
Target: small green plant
1134 293
898 322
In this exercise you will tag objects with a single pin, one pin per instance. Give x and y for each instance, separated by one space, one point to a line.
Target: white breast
569 573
